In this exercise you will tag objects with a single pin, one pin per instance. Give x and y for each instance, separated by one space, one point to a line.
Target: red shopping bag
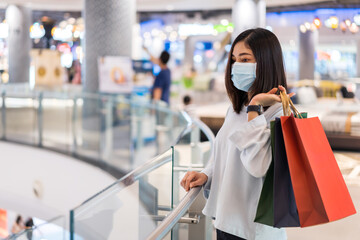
320 192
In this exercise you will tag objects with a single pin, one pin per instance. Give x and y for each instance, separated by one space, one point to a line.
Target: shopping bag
265 208
320 191
285 211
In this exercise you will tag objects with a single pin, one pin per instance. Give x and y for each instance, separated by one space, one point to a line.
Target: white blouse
241 158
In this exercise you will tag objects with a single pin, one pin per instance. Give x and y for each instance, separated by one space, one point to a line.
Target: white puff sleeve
253 142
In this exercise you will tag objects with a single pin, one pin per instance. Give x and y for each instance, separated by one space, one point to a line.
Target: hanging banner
3 224
115 74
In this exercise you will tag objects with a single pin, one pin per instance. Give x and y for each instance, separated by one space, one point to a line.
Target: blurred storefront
56 48
198 42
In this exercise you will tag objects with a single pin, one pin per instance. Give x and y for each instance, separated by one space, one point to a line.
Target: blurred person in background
189 107
161 87
29 224
234 177
76 72
189 76
345 93
18 225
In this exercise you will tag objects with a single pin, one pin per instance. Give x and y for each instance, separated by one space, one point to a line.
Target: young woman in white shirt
234 177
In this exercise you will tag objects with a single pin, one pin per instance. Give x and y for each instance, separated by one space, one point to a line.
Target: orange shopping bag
320 192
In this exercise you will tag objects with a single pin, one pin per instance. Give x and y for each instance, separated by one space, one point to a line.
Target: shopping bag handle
288 105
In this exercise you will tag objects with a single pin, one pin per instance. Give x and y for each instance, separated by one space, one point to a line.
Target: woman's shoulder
229 111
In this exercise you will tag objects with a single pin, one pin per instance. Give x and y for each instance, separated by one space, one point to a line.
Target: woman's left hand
269 98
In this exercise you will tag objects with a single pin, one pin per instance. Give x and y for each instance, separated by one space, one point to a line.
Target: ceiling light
303 28
313 27
328 23
317 22
357 19
348 22
37 31
334 22
224 22
343 26
354 28
230 29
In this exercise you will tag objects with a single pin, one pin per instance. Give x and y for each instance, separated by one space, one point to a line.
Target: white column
358 58
108 32
19 19
248 14
261 10
307 47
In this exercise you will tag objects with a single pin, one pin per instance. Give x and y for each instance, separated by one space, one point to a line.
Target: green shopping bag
265 209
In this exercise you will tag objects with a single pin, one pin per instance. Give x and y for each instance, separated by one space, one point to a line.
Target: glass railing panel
87 122
118 134
54 229
130 208
56 118
114 129
21 118
190 157
143 131
191 153
154 128
2 116
169 125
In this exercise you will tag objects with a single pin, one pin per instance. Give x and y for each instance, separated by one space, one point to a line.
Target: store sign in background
115 74
47 69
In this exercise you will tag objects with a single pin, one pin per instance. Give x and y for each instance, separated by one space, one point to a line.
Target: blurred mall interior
88 154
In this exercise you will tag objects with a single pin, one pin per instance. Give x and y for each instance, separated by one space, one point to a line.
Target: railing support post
40 119
107 134
3 115
73 126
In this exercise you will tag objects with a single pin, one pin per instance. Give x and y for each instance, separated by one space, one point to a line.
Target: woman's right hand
269 98
193 179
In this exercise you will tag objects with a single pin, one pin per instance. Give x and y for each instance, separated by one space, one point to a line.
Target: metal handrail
133 175
172 219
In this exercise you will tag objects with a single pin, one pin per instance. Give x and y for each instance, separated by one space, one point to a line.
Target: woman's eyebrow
242 54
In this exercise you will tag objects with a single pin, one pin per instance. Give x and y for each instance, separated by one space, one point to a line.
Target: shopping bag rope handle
288 105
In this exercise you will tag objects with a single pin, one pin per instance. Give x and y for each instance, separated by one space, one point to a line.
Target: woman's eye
245 60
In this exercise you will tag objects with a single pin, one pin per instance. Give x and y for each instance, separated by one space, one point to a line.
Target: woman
242 152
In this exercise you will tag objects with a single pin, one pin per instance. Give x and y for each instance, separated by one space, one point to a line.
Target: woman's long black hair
270 71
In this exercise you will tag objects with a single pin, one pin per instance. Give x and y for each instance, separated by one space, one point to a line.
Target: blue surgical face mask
243 75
